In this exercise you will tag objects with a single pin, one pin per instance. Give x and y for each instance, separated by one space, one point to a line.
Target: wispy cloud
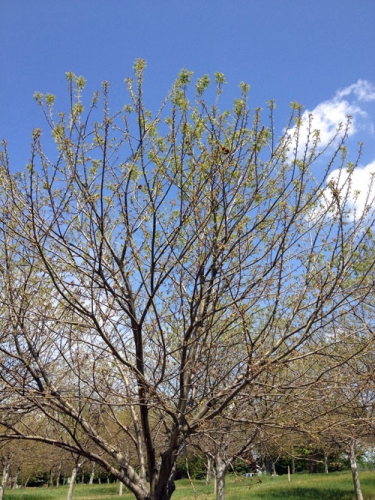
363 90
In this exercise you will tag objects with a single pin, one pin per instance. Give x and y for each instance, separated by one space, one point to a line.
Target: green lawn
335 486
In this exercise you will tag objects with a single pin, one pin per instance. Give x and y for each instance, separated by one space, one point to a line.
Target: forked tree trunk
354 469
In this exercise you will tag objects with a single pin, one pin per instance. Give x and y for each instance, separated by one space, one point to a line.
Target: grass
335 486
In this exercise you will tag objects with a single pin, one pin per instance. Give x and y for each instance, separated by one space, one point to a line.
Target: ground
335 486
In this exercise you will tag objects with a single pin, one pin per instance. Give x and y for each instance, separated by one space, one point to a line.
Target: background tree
147 250
332 406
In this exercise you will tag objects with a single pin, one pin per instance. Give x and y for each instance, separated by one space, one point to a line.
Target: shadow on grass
307 494
29 496
80 492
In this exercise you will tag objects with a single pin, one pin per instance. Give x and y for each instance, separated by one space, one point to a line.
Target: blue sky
313 52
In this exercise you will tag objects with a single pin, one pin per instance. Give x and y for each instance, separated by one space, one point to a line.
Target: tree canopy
156 266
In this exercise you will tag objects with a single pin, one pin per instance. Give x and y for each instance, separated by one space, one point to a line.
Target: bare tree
222 446
350 422
332 406
150 248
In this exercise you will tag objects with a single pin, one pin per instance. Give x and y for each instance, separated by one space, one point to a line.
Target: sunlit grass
335 486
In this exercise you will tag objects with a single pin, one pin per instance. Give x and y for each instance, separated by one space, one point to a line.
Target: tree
222 445
350 423
332 407
147 250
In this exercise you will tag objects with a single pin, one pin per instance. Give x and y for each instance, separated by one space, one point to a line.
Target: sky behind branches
319 53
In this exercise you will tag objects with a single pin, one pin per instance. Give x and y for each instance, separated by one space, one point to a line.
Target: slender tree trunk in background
58 475
72 482
209 471
4 480
121 489
50 482
326 462
15 479
274 469
293 462
92 475
354 469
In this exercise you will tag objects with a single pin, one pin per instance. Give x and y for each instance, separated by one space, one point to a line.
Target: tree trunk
209 471
121 489
51 476
92 475
269 465
58 476
274 469
4 480
220 479
354 469
293 465
326 462
72 482
15 479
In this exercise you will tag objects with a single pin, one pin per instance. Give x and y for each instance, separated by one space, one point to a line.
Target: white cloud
356 190
363 90
331 116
